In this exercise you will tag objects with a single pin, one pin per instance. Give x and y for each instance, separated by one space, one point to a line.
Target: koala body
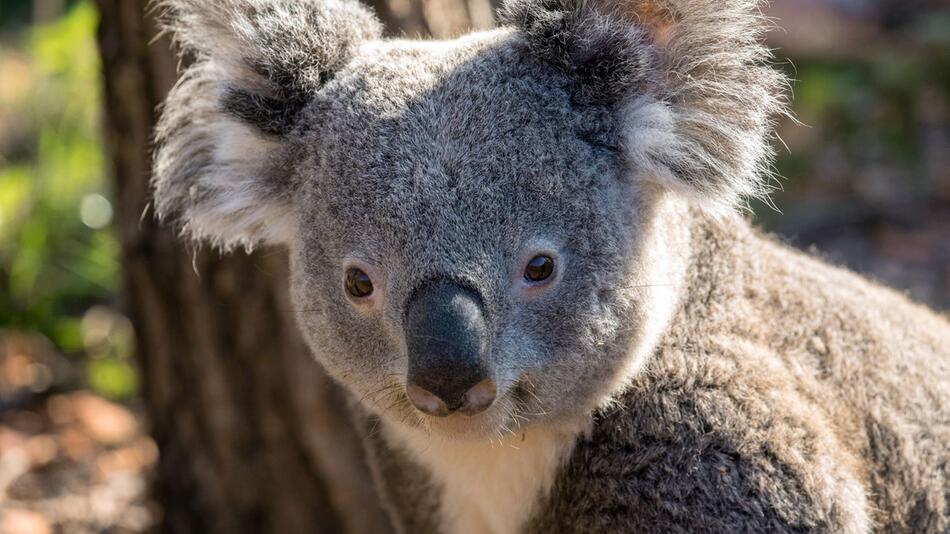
518 251
786 395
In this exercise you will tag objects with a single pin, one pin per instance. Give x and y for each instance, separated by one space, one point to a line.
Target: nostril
478 398
426 401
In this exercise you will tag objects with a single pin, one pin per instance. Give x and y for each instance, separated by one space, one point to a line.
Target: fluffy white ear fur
707 134
700 95
223 161
213 172
242 208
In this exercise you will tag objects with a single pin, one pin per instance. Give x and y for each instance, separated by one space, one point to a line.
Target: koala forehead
472 139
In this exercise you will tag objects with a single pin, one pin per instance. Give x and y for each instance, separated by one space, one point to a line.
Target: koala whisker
520 417
538 400
400 400
528 386
507 426
508 429
538 411
374 429
498 435
416 421
371 396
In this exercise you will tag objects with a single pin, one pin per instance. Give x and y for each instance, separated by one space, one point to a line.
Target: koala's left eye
539 268
358 283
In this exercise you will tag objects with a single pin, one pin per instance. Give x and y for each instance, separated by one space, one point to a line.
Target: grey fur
222 157
609 58
727 383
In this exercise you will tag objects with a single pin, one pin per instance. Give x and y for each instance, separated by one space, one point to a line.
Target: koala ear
691 80
224 156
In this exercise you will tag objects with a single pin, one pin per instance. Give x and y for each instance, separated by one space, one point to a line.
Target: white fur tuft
706 132
211 171
223 164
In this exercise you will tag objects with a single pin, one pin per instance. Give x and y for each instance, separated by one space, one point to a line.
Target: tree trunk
253 436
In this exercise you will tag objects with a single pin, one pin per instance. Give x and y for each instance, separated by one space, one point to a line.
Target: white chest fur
490 488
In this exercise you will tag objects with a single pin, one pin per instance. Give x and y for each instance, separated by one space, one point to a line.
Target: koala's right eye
539 269
358 283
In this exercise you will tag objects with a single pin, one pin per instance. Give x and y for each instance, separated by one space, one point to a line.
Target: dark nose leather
447 338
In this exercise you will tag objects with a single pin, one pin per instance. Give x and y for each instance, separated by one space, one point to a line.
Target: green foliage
867 113
58 251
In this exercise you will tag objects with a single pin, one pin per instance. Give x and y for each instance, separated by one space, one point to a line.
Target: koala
522 253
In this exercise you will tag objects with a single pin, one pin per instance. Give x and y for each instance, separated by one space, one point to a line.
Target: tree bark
253 436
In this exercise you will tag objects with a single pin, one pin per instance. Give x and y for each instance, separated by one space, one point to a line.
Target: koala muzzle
447 338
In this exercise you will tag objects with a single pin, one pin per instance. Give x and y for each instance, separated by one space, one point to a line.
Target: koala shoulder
705 443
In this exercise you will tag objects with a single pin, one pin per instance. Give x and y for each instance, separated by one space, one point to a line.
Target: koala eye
539 268
358 283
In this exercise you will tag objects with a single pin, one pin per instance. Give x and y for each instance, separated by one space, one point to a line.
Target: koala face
445 182
479 229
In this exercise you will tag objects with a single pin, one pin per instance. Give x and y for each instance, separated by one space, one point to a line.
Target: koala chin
519 251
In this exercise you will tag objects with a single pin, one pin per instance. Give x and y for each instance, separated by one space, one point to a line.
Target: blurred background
867 184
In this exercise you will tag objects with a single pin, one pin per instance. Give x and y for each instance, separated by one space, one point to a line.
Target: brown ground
70 462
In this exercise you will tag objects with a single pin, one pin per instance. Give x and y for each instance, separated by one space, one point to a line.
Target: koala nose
447 338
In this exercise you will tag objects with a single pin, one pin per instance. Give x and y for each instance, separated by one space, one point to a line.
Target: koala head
483 231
